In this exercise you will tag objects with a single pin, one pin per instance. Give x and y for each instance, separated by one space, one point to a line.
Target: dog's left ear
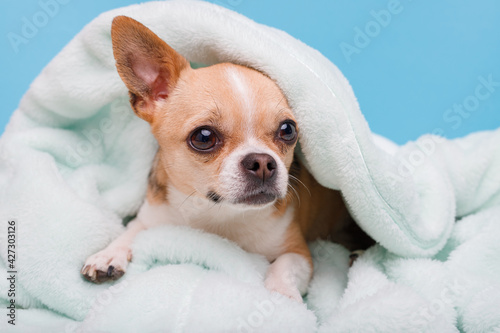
148 66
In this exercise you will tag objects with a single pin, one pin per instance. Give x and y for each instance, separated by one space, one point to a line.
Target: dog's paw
108 264
283 287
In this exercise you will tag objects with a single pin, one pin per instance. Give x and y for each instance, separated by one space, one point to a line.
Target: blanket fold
74 162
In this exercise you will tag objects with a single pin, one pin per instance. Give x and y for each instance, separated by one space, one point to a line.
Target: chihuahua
226 138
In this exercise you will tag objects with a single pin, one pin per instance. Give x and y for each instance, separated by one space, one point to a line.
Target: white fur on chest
255 230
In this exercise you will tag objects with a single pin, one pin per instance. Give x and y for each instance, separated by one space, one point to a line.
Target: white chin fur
244 206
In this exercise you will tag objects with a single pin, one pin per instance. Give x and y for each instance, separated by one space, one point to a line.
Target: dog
226 138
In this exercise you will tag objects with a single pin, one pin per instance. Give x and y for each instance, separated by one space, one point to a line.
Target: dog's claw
85 269
110 270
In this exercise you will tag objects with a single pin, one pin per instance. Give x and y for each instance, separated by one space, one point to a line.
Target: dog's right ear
148 66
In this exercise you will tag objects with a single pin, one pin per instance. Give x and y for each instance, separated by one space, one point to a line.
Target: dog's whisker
189 196
300 183
295 192
281 100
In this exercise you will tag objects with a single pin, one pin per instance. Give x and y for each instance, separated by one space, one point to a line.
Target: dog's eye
287 132
203 139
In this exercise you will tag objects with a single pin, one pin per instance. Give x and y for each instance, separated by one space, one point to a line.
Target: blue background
407 73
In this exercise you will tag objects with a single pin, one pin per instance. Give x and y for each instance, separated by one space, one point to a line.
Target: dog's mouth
257 199
249 198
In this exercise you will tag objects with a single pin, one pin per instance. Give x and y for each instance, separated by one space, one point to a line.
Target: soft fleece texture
74 162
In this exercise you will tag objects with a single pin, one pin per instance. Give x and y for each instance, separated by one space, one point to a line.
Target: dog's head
225 132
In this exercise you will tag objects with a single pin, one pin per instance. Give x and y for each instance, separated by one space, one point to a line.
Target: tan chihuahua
226 139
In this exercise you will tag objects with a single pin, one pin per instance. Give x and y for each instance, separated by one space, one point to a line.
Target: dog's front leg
291 272
111 263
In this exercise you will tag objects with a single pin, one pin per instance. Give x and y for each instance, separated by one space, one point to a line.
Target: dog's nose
260 166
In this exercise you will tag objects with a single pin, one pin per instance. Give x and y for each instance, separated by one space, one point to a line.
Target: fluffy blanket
73 167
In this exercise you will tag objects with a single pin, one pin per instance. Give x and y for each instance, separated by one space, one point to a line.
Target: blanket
74 162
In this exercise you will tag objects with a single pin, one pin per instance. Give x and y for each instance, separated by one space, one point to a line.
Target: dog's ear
148 66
